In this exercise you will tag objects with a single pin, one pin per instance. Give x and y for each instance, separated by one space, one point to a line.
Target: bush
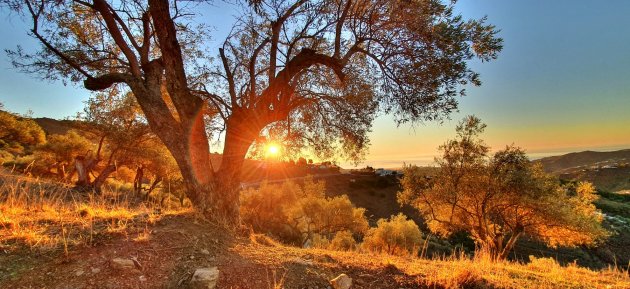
296 214
396 236
343 241
18 135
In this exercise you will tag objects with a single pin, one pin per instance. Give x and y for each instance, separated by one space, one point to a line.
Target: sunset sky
561 83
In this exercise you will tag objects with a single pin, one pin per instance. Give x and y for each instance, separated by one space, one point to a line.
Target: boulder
205 278
342 281
122 264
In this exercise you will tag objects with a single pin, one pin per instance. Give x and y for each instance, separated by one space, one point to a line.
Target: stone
205 252
122 264
342 281
96 270
79 272
301 261
205 278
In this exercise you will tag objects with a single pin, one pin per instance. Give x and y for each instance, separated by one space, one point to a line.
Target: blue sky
562 82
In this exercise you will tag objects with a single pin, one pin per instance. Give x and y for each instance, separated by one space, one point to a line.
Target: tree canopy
498 198
311 73
17 135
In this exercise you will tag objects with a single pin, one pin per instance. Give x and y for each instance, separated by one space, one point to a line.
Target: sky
561 83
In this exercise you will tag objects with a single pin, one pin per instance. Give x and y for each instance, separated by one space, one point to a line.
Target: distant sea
429 160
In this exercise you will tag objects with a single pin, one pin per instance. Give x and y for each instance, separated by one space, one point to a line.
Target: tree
500 198
396 236
18 135
313 72
117 124
61 151
299 214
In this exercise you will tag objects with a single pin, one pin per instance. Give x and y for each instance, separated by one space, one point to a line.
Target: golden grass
463 272
46 215
446 272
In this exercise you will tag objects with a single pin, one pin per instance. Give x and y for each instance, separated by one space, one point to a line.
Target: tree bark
137 180
82 173
242 129
97 185
157 181
509 245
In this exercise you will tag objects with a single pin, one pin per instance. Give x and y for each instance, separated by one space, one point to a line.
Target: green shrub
396 236
18 135
296 214
343 241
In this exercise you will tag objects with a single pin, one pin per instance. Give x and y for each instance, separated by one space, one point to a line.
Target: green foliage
623 198
396 236
60 151
295 214
498 198
611 207
19 135
64 148
343 241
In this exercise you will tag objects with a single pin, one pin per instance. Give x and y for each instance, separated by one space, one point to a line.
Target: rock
205 278
205 252
78 272
341 282
301 261
142 278
96 270
122 264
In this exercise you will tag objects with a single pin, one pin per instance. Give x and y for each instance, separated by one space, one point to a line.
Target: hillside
62 239
584 159
55 126
608 171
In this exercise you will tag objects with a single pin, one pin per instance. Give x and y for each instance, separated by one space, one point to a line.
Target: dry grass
40 215
463 272
45 215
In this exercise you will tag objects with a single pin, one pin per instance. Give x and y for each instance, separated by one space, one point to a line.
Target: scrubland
52 236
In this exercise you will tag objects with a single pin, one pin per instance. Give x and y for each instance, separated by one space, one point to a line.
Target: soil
179 244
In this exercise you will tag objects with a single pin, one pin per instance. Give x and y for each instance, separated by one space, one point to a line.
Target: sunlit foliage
19 135
309 73
498 198
343 241
395 236
58 154
295 214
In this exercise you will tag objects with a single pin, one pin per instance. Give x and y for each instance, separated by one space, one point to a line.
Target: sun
273 150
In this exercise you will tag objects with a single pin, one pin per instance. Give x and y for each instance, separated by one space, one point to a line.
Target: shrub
296 214
18 135
343 241
396 236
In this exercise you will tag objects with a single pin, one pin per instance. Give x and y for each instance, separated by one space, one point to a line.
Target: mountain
608 171
556 164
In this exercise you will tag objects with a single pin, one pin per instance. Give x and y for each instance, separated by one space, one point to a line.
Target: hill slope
556 164
608 171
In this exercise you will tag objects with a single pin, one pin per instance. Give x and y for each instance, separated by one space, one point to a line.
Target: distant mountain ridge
556 164
608 171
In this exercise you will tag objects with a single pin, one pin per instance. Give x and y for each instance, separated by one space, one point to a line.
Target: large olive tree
312 71
499 198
